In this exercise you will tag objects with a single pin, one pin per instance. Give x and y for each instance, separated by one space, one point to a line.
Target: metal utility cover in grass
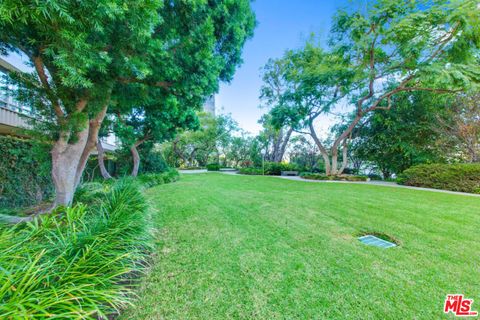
370 240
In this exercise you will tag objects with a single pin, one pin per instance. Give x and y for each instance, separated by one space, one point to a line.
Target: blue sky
282 25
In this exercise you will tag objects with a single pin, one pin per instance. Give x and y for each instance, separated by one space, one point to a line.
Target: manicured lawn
266 248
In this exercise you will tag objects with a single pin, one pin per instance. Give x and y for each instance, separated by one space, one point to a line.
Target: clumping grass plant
76 262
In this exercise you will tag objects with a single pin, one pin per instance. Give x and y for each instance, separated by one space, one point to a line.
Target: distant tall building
209 105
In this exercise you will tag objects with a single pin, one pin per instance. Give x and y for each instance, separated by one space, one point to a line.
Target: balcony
12 115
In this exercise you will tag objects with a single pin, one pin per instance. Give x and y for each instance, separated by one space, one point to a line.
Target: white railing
8 103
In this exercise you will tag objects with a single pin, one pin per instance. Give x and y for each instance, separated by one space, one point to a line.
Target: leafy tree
87 55
239 151
394 141
274 138
304 154
153 124
199 147
274 86
460 127
389 48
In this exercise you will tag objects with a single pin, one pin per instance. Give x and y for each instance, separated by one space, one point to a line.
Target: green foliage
318 176
454 177
251 171
76 262
154 179
157 60
199 147
375 177
271 169
393 141
213 167
24 172
119 163
374 54
276 168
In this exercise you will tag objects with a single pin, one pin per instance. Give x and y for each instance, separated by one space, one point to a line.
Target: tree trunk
65 164
101 161
94 126
322 149
136 160
344 157
283 147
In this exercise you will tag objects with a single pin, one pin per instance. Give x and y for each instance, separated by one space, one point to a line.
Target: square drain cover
377 242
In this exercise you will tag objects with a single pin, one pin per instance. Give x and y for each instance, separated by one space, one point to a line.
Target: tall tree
87 53
460 127
394 141
198 147
153 124
375 54
273 88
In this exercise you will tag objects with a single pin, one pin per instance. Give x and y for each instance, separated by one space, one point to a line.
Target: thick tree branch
40 68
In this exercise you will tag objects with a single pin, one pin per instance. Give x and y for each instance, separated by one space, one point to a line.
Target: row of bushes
454 177
270 168
250 171
154 179
213 167
319 176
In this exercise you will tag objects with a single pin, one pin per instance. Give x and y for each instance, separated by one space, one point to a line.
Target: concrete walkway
193 171
374 183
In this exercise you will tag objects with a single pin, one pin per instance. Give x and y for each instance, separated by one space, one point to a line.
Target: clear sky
282 25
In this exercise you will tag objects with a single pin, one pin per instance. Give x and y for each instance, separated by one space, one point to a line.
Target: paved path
193 171
375 183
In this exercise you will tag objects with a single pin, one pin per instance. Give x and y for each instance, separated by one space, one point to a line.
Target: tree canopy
94 57
373 54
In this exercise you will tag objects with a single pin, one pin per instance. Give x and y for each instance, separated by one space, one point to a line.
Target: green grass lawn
246 247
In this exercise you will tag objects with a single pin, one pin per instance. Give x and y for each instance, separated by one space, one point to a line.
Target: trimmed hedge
213 167
25 172
271 169
154 179
318 176
453 177
276 168
250 171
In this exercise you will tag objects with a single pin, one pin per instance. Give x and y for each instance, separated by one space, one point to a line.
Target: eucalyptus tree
376 53
274 87
83 53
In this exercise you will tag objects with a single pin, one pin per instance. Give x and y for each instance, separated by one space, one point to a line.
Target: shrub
154 179
376 177
454 177
350 171
25 167
213 167
75 262
317 176
276 168
250 171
